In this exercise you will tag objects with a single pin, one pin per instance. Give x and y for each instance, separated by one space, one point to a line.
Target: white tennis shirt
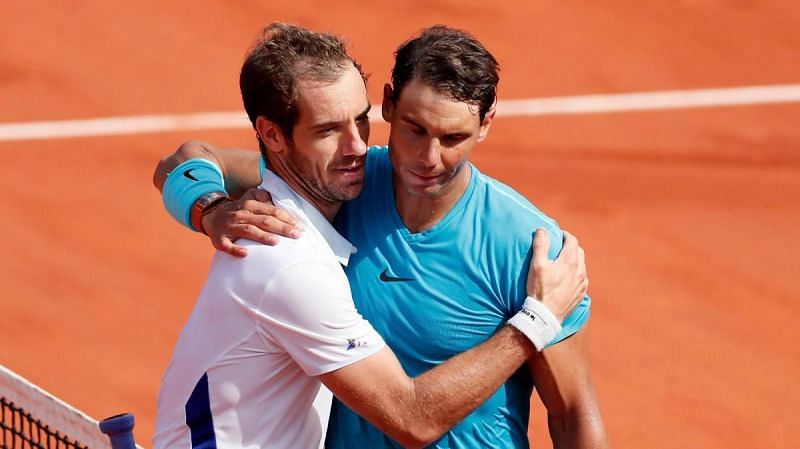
243 373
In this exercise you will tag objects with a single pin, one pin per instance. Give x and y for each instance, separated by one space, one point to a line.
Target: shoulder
307 291
377 151
378 170
263 262
512 216
377 156
288 278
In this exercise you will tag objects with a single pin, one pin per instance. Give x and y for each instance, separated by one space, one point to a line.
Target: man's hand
252 217
559 284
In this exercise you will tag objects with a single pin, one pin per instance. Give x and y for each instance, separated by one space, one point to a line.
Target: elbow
191 148
162 169
410 416
418 432
160 175
583 426
421 425
418 437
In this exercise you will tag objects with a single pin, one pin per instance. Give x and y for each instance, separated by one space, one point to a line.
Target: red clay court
689 215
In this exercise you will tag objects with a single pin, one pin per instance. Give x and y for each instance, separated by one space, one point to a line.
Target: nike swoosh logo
386 278
188 174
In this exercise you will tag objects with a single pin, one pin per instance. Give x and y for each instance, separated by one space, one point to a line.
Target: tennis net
34 419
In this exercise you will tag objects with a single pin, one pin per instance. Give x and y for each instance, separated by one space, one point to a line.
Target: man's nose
430 154
352 142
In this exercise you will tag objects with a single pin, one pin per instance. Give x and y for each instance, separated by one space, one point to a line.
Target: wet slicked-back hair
282 56
452 62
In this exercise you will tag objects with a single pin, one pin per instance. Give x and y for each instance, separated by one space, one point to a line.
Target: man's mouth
350 169
426 177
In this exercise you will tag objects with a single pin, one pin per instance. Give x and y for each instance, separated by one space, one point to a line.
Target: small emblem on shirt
386 278
352 343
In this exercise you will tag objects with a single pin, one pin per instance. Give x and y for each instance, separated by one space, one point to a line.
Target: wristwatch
204 205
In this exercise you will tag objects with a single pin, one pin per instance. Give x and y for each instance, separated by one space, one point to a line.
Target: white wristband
537 322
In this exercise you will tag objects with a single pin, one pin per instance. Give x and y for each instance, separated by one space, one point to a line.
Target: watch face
206 199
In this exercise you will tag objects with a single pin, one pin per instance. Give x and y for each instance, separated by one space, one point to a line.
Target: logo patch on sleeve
353 343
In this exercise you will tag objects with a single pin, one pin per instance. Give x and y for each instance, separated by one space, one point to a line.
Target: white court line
584 104
647 101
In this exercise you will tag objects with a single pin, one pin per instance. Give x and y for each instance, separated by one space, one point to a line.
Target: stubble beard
330 192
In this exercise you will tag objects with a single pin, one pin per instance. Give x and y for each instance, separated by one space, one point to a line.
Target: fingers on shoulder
541 247
227 246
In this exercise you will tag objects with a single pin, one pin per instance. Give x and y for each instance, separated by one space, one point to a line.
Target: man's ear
270 134
388 104
486 123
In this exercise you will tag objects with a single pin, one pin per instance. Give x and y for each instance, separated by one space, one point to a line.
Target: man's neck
326 208
420 213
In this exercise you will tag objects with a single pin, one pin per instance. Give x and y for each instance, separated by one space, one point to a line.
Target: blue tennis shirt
440 292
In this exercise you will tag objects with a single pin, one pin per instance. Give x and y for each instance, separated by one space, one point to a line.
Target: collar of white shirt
286 198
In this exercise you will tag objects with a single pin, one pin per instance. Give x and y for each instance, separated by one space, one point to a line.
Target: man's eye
453 140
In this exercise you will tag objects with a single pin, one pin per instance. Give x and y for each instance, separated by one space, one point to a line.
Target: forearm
578 430
417 411
562 378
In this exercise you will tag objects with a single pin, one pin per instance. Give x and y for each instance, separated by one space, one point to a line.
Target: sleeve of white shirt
307 308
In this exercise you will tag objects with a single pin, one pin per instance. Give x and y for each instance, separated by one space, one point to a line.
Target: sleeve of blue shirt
578 318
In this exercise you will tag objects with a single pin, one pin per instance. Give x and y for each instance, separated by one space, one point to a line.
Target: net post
119 429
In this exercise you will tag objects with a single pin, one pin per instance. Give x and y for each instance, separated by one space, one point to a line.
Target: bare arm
417 411
241 168
562 378
251 216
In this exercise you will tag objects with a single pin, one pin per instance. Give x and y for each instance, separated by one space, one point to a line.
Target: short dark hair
281 56
452 62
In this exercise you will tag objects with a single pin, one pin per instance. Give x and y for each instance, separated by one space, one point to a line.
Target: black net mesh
20 430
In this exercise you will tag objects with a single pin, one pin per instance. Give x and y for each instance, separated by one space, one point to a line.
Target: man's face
431 138
330 137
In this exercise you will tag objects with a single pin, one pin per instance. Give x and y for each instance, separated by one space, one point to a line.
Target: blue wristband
186 183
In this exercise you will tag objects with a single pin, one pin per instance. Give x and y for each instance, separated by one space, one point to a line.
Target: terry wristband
536 322
186 183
